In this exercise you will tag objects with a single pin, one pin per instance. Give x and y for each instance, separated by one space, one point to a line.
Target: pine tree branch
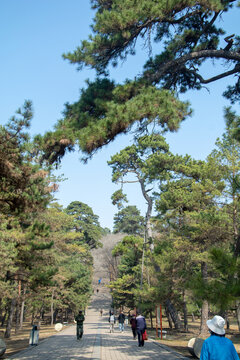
177 64
214 78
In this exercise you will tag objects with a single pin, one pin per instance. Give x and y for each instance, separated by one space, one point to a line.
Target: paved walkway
97 342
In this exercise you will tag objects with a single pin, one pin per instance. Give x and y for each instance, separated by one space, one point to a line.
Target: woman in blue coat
217 347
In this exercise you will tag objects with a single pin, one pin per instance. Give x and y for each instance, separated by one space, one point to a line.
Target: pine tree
85 222
188 36
189 203
128 220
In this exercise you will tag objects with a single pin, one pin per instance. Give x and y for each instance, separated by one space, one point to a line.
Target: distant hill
102 258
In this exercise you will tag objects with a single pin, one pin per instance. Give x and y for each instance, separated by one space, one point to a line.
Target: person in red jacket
133 323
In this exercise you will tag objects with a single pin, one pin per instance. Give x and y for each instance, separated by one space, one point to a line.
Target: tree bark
55 316
204 317
185 312
173 313
193 317
22 313
22 306
227 320
238 313
10 318
169 318
32 319
174 65
42 312
52 318
148 213
204 310
18 306
4 318
151 319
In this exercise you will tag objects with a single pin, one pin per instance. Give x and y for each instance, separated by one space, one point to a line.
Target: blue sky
34 35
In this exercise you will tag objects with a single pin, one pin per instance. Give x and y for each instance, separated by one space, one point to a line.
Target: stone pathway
97 342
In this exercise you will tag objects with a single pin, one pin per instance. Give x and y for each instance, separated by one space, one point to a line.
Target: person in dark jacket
121 320
141 327
79 320
133 323
217 347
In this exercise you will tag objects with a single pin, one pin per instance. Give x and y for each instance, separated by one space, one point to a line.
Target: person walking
217 347
79 320
141 327
133 323
112 321
121 319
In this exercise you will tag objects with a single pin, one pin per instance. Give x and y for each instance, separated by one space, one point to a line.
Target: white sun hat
216 325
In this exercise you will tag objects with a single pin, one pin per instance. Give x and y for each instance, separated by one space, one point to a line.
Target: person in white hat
217 347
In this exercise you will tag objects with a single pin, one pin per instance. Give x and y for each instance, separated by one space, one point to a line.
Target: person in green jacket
79 320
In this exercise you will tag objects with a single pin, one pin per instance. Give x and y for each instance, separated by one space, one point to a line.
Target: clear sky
34 35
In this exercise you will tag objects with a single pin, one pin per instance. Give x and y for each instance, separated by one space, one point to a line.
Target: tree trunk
10 318
173 313
42 312
33 316
4 318
193 317
185 312
204 310
238 313
67 315
148 228
22 313
236 228
227 321
17 316
151 319
52 319
55 316
169 318
22 307
204 317
18 306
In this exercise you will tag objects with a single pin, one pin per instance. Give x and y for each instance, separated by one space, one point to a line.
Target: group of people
216 347
137 322
138 326
112 321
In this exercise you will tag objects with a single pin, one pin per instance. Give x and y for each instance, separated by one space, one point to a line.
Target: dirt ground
20 341
177 340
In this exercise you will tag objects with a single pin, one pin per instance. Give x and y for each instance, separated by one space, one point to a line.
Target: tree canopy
24 185
86 223
44 265
128 220
187 34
